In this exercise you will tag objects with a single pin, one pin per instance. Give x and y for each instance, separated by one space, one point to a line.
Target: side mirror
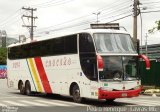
145 58
100 62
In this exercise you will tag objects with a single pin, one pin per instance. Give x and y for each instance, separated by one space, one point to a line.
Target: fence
150 77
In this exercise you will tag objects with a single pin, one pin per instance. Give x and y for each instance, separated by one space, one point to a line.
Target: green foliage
157 28
3 56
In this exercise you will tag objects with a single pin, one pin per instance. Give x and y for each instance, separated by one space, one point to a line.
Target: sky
56 16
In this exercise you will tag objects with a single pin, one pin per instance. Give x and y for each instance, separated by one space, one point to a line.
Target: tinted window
88 56
56 46
86 43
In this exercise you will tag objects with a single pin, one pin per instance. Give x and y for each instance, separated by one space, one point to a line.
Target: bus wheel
27 88
76 94
21 88
110 100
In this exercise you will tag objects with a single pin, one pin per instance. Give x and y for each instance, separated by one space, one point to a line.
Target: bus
96 63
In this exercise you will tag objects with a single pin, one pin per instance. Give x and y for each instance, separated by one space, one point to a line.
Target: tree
3 56
157 28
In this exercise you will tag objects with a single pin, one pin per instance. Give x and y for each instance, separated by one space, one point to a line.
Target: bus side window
88 56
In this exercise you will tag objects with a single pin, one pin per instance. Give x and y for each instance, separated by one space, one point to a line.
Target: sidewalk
152 92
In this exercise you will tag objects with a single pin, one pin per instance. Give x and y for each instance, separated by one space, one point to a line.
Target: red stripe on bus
43 76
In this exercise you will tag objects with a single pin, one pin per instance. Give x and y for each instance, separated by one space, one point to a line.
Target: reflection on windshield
119 68
116 43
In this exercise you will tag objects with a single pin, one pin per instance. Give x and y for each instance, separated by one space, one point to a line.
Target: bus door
88 63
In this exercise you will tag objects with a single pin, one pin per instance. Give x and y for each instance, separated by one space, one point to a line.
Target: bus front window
113 43
119 68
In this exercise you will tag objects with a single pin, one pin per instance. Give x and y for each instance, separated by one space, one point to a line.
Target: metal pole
135 20
32 18
97 14
31 33
146 44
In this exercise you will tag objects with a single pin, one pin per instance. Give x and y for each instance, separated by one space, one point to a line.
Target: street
11 99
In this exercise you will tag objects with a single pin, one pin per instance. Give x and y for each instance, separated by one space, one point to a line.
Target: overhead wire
60 2
111 12
84 23
10 18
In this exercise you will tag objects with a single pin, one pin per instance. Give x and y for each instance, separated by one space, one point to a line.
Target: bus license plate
124 94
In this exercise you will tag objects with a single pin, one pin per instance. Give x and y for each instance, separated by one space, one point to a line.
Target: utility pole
146 44
136 13
135 20
32 19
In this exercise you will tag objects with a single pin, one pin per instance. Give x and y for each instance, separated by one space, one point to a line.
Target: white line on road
142 102
15 103
3 105
70 103
5 95
52 103
33 103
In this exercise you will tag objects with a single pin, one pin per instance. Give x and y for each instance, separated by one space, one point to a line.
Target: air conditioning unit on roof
105 26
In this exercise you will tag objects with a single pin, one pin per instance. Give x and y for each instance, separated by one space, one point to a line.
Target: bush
3 56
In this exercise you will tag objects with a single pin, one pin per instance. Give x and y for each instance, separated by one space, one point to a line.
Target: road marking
71 103
6 95
142 102
52 103
33 103
3 105
15 103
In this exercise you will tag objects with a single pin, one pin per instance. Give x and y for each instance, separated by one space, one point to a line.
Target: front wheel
76 94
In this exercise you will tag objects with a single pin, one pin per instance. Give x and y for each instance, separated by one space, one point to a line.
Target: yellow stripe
35 75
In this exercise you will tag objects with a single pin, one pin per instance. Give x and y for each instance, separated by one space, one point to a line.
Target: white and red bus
93 63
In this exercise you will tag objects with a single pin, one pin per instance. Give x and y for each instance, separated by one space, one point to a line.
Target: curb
152 92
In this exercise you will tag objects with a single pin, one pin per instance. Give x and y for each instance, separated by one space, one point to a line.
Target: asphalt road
12 101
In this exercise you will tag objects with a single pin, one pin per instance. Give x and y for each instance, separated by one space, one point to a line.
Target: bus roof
91 31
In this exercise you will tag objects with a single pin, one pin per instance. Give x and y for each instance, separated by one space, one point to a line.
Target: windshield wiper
117 79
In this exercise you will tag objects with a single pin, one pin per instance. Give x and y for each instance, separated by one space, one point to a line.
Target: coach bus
92 63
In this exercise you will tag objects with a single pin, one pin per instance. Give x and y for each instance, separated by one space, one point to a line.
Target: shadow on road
67 99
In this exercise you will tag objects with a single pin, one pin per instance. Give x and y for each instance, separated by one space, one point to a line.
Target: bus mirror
145 58
100 62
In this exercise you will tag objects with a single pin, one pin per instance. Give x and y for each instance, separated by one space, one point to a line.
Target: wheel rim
76 94
21 89
27 89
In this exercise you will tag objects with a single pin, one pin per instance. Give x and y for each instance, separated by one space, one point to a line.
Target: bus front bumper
104 94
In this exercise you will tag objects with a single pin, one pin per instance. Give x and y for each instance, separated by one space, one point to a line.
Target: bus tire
76 94
27 88
22 88
19 84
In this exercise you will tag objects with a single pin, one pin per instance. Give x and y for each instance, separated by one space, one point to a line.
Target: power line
41 4
151 11
151 2
10 18
55 4
107 13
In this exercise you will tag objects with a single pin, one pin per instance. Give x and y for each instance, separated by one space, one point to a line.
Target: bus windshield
113 43
119 68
